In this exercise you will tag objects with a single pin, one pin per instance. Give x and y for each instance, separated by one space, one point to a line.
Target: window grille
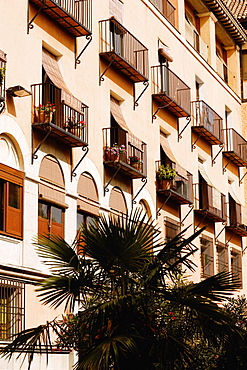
11 308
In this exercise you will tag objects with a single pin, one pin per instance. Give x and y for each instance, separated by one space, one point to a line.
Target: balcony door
117 38
203 193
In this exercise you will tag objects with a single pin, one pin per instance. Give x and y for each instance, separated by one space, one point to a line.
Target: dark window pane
80 219
56 214
14 195
43 211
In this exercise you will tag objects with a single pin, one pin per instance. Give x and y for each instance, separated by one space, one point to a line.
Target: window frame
12 312
48 222
206 245
12 226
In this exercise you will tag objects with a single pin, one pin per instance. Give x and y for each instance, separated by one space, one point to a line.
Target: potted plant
74 126
45 112
165 175
115 152
136 162
2 74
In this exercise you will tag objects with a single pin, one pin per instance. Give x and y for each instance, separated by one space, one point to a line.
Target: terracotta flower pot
110 157
164 184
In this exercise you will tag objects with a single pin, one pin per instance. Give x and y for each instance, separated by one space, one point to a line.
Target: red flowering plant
73 122
135 159
48 107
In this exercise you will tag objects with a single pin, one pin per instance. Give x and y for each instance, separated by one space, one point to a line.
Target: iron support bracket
164 203
224 168
205 215
241 180
86 150
228 241
193 145
221 148
224 226
30 25
146 84
144 180
2 106
118 165
155 113
190 210
180 133
34 155
101 78
77 61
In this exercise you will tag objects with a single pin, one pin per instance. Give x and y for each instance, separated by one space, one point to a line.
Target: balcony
123 51
225 73
170 91
180 188
165 8
73 15
236 148
193 37
207 123
209 202
68 123
237 218
126 151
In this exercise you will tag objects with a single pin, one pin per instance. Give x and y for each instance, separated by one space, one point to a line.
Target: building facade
97 98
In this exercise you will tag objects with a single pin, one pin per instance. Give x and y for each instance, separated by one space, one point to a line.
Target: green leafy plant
166 172
2 74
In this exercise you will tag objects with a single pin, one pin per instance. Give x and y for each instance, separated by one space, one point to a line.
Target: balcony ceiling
60 15
60 134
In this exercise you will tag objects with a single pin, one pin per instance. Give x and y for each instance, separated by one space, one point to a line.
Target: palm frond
125 242
33 340
57 253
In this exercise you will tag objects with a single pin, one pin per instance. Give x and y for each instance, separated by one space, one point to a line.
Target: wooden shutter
117 201
88 195
14 212
57 227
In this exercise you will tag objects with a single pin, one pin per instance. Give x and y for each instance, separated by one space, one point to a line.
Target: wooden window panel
50 220
14 209
56 221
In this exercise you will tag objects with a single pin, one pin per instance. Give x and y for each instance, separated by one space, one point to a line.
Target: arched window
51 198
11 190
117 201
145 211
87 202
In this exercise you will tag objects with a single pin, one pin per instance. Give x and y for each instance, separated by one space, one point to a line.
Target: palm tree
133 311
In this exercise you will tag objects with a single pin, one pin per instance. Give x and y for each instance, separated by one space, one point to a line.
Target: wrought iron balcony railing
3 61
66 116
237 222
236 147
210 202
166 8
207 123
123 51
193 37
73 15
124 149
170 91
179 188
